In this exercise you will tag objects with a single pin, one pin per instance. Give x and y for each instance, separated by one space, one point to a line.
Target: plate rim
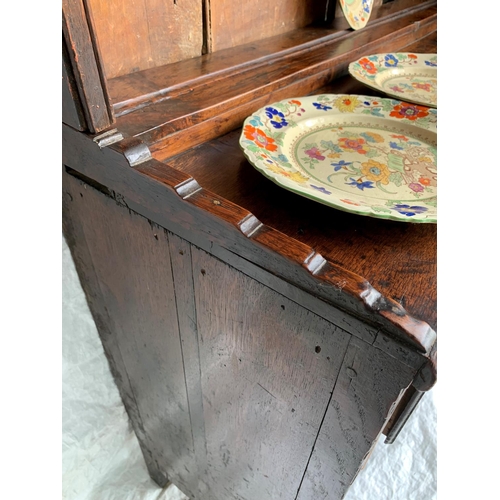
369 83
290 185
346 10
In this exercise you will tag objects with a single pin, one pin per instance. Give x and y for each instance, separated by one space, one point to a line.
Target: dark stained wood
135 35
260 341
155 84
268 367
74 214
369 386
87 71
144 87
398 259
172 124
72 111
182 270
209 216
131 261
259 369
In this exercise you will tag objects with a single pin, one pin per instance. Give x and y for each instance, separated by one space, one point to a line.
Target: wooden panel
74 213
131 261
234 23
180 254
369 385
269 366
268 369
140 34
86 66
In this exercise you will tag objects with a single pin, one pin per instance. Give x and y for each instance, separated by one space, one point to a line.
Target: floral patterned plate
360 154
410 77
357 12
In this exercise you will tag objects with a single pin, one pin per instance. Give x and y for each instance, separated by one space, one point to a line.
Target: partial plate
359 154
406 76
357 12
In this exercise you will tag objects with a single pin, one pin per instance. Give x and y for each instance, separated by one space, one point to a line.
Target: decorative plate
360 154
357 12
410 77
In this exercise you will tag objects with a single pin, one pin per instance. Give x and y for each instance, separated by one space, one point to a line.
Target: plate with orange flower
357 12
365 155
405 76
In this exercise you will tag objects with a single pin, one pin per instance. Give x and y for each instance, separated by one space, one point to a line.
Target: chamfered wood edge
174 200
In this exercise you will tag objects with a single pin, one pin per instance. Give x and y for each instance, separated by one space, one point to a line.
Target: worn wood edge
72 110
158 182
98 59
214 68
217 76
427 375
80 42
179 133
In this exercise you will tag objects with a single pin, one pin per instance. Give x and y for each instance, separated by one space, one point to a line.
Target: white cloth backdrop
101 456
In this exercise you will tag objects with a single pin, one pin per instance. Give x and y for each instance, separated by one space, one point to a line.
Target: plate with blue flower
406 76
357 12
365 155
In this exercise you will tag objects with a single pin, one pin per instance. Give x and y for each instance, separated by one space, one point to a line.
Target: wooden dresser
261 342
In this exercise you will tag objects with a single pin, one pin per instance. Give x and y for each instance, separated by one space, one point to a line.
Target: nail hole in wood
283 307
181 252
203 272
318 349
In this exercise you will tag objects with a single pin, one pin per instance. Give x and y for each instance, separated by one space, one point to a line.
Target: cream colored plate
406 76
360 154
357 12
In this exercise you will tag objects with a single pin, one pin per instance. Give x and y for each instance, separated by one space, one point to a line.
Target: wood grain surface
177 202
397 258
74 211
235 390
135 35
72 111
133 277
260 341
86 66
172 123
268 367
369 386
233 23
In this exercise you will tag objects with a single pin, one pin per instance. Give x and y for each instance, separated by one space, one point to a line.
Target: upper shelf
175 107
171 103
